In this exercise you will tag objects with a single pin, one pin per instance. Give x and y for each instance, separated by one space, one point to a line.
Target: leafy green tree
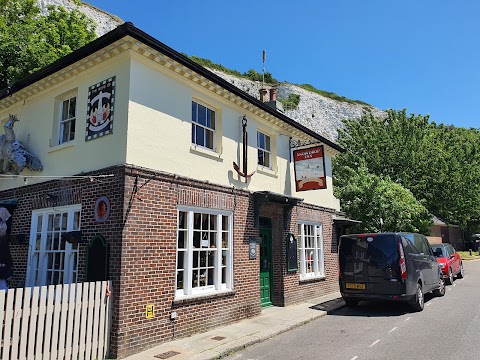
439 164
30 41
382 205
455 190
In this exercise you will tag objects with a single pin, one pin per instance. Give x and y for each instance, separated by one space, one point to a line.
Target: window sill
205 152
197 298
266 171
62 146
312 279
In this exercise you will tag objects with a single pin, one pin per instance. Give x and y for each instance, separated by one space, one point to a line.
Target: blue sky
421 55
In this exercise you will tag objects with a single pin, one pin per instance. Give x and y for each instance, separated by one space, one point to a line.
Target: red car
449 261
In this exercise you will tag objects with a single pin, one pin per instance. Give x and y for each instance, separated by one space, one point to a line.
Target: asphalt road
448 328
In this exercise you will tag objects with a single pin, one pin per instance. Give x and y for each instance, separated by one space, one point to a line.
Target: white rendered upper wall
160 136
39 119
152 128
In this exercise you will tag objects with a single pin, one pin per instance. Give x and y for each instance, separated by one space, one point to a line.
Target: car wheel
351 302
460 273
441 288
418 300
450 277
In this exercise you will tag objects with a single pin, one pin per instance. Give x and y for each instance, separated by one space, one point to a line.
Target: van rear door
369 263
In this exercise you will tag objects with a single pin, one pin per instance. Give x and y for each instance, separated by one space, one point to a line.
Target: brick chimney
274 103
273 94
263 95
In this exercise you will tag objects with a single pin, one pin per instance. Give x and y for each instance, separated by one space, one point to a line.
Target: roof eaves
65 61
128 28
175 55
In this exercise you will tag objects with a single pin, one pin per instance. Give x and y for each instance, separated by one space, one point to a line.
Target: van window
418 244
425 247
377 250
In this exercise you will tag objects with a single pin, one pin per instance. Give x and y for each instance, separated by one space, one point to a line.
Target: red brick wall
152 253
287 287
298 290
85 192
148 261
447 234
79 190
141 231
434 239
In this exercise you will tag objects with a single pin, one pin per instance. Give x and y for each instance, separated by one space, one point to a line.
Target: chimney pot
273 94
263 95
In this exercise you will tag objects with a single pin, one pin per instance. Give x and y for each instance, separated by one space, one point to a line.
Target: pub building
137 165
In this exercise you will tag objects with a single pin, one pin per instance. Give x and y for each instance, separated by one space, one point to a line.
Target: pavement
225 340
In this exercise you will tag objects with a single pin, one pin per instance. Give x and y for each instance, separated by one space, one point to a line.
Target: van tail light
402 263
339 272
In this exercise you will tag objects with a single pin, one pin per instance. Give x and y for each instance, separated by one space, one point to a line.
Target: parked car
449 260
388 266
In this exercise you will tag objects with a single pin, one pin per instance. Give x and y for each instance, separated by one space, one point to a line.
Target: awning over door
344 221
262 197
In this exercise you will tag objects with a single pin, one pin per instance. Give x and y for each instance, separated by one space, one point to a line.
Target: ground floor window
52 260
311 250
204 251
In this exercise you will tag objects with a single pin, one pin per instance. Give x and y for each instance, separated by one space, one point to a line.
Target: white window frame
37 266
196 124
62 122
267 153
188 290
318 250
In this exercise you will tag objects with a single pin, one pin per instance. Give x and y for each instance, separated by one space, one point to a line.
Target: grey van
388 266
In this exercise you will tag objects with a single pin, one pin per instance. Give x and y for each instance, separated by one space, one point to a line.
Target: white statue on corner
14 157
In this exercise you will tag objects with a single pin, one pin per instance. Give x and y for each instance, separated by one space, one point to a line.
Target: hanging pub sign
100 109
310 169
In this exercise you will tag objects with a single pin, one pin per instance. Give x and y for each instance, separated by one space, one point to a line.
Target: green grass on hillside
269 79
331 95
250 74
291 102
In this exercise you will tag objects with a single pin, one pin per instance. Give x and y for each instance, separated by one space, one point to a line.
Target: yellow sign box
149 311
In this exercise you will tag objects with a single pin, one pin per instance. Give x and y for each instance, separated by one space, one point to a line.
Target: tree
456 190
30 41
382 205
439 164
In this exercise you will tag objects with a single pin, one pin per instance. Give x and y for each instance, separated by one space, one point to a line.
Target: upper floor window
311 250
68 116
203 126
264 150
52 260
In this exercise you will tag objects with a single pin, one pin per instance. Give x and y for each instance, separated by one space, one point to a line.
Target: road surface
448 328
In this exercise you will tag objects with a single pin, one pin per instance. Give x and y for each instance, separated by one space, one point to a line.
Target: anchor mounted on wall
245 157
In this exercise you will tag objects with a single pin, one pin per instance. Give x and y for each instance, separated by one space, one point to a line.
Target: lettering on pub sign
310 169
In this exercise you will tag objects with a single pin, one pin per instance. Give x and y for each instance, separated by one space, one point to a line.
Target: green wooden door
265 261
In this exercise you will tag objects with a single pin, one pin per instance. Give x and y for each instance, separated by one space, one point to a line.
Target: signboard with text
310 169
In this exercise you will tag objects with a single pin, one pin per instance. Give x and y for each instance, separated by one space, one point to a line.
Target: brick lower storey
141 231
